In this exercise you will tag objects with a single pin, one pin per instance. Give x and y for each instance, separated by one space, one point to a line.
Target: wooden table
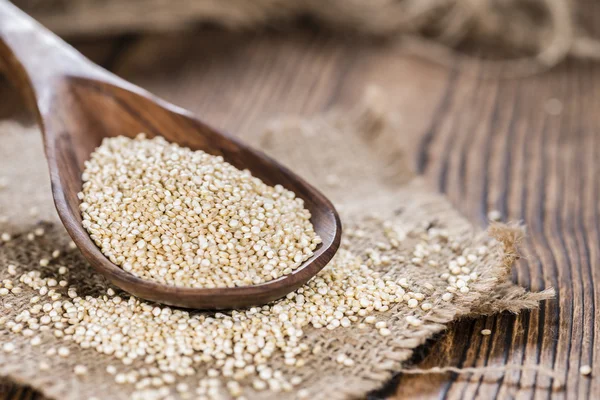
528 148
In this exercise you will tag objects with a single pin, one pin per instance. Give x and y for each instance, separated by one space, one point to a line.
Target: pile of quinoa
154 346
187 218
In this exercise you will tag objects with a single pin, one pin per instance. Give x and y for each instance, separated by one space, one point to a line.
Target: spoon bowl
77 104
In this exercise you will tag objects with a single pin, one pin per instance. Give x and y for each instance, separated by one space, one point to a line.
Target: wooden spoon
77 104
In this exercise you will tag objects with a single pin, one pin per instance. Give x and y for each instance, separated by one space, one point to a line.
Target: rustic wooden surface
486 144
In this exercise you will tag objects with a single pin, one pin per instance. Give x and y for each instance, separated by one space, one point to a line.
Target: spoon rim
183 296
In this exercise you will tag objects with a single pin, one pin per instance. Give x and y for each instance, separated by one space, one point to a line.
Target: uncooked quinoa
156 348
238 345
187 218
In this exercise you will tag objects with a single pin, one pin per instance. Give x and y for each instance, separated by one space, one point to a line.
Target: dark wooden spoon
77 104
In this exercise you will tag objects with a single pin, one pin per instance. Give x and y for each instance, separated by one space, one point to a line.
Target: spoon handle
36 60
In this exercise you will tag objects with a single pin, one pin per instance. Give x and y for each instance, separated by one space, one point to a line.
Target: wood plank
237 82
486 144
539 168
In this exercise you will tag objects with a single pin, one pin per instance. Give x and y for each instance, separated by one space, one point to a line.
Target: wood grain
486 144
71 98
539 168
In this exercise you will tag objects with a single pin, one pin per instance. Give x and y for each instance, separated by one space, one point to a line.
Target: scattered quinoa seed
8 347
80 370
585 370
380 325
494 215
553 106
447 296
384 332
63 352
486 332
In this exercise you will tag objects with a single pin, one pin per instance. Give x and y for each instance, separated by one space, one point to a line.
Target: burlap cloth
356 158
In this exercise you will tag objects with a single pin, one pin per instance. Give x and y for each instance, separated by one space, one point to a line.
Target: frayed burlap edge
503 296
